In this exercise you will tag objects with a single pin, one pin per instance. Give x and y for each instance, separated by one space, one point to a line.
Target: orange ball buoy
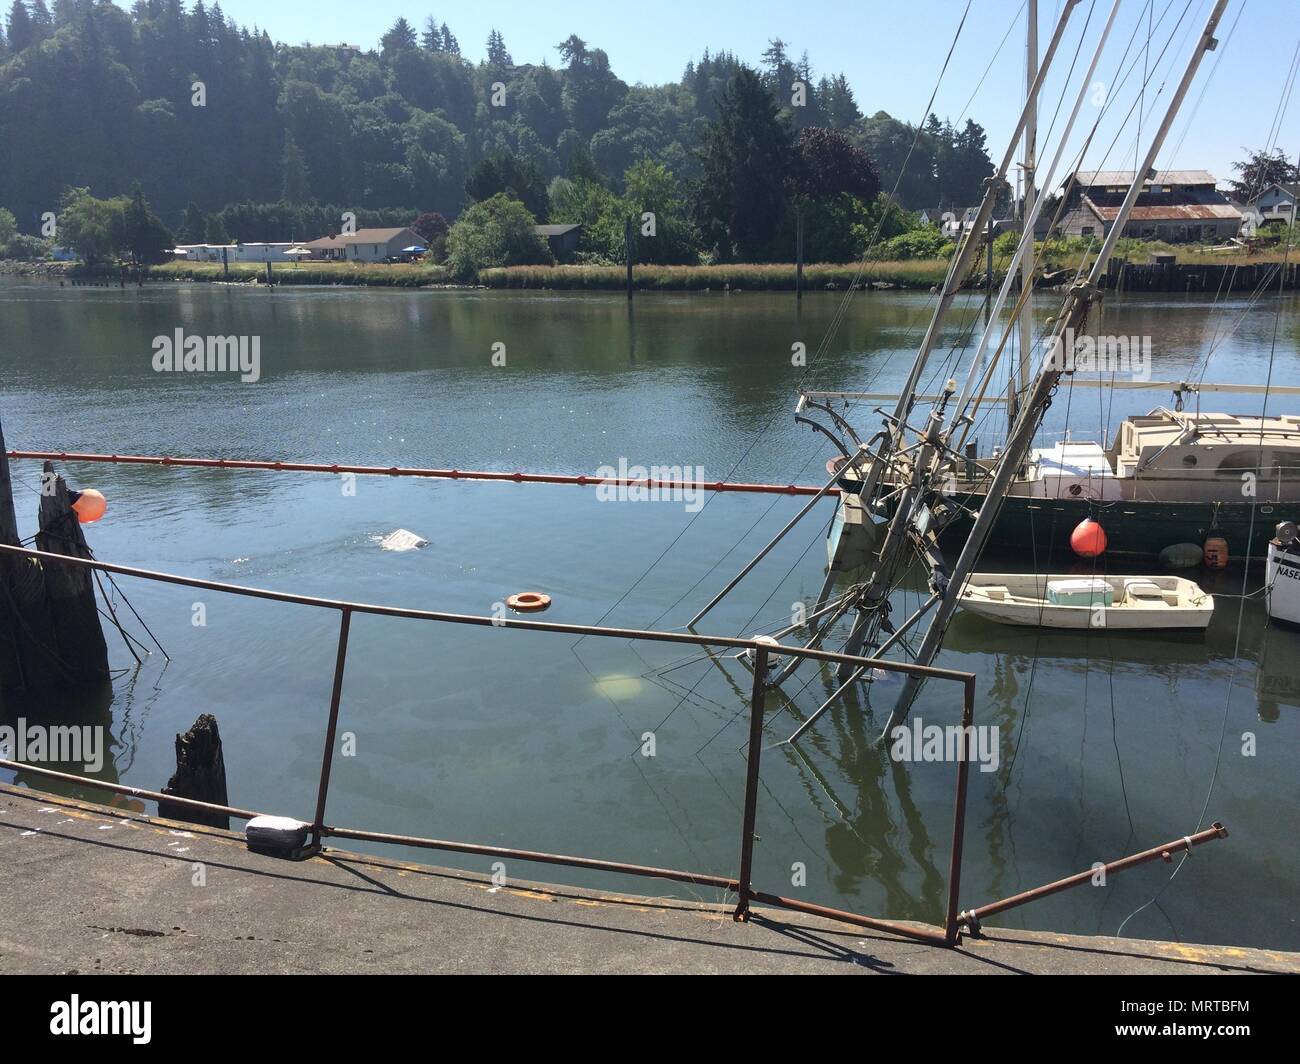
528 602
90 506
1216 552
1088 539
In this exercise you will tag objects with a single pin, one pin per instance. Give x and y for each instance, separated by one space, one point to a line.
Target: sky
892 52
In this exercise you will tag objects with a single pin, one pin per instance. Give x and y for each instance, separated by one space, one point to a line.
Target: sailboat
903 502
1169 476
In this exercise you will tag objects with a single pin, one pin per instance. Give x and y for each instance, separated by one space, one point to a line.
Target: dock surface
89 888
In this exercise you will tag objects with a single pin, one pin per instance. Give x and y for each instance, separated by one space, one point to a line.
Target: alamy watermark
918 741
67 744
179 353
1126 355
656 483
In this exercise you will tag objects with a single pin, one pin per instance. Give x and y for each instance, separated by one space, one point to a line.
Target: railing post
950 925
327 760
751 783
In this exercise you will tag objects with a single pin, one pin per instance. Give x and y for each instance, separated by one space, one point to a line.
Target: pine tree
449 43
431 38
497 55
293 166
22 34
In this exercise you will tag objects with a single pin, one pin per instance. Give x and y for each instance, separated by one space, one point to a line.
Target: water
1107 744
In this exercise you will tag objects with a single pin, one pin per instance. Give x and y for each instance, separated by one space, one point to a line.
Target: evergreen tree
747 158
194 227
144 236
296 187
22 34
431 38
42 21
399 36
497 56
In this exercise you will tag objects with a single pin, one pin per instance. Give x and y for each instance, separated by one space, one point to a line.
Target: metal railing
741 885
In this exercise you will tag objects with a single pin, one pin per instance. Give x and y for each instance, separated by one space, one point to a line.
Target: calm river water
1107 745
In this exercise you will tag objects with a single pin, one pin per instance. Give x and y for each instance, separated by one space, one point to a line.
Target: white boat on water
1283 588
1126 602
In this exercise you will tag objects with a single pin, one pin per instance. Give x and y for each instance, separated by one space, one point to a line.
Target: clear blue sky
891 51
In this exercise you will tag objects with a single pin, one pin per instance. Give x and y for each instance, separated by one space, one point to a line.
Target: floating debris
403 539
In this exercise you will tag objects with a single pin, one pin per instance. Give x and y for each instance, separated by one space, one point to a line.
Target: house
956 221
365 245
257 252
263 252
1277 203
326 248
379 245
206 252
1177 206
562 239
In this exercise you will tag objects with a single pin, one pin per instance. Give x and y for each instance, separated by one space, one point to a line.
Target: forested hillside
200 111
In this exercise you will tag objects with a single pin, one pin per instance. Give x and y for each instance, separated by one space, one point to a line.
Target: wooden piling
627 248
30 658
70 589
200 774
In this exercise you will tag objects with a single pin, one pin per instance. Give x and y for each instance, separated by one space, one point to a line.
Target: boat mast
1027 214
1073 317
961 266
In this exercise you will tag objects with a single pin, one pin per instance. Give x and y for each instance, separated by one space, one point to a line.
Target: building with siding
1177 206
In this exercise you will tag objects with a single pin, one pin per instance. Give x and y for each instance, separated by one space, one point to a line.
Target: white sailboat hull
1283 595
1113 602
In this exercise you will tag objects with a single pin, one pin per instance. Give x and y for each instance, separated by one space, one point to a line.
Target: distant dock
91 888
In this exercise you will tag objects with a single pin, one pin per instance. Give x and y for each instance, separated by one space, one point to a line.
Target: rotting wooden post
627 249
69 589
29 657
200 774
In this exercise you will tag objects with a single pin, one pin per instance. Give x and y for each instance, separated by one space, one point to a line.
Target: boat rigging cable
837 318
1241 607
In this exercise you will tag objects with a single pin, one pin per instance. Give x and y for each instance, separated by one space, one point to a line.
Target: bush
924 242
496 232
27 248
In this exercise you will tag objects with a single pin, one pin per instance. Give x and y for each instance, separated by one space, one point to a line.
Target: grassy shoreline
919 273
377 274
914 274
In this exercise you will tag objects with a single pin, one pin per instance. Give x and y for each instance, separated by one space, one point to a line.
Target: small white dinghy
1144 602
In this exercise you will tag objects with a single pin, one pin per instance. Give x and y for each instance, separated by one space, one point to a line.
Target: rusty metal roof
1125 177
1175 212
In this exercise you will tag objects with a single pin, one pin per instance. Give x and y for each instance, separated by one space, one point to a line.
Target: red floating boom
436 474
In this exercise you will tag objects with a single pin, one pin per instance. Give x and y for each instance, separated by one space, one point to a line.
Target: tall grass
919 273
384 274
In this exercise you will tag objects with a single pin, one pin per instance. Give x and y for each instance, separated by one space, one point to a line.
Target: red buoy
89 506
1088 538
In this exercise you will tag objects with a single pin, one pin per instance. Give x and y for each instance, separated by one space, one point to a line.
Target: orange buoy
528 602
1216 552
1088 539
90 506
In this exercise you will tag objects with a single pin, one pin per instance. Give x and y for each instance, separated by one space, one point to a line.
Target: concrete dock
90 888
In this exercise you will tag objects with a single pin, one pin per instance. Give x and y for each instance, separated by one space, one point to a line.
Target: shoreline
1195 275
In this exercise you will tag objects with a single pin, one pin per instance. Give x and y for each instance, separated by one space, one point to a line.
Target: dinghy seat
1144 592
996 592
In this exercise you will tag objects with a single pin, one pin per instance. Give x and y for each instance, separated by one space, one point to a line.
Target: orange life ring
528 602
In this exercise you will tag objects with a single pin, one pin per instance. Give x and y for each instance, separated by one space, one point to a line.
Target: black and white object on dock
278 836
1283 588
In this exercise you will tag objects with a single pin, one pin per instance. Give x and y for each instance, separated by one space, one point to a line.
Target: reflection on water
1107 743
